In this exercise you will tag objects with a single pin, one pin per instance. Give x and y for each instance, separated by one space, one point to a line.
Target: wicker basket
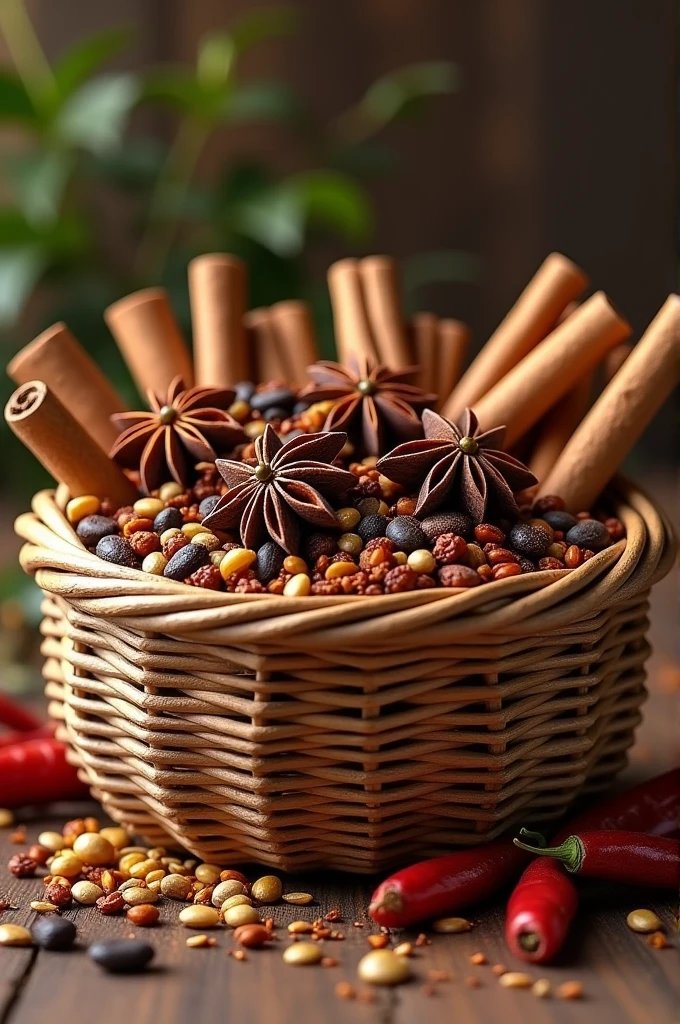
344 732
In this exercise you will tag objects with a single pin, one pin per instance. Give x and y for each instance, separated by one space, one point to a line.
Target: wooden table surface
623 978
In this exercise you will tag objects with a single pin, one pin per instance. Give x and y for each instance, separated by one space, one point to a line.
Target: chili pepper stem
571 852
390 900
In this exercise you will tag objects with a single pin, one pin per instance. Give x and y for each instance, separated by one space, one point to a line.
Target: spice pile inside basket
353 477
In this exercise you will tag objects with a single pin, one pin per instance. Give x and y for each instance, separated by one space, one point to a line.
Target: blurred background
467 139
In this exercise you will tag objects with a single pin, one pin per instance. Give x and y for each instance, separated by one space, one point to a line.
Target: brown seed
59 894
515 979
40 854
267 889
377 941
657 940
199 916
344 990
111 904
335 915
452 925
472 981
300 927
298 899
143 915
422 940
498 969
252 936
437 976
404 949
570 990
541 988
644 921
329 961
478 959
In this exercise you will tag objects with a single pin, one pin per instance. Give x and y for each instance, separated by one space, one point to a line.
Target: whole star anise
460 467
189 426
291 482
372 400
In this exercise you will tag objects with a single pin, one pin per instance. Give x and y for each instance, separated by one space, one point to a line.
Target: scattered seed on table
54 933
236 901
15 935
302 953
86 893
452 925
478 959
199 941
241 914
143 915
41 907
344 990
121 956
515 979
383 967
298 899
377 941
199 915
404 949
208 874
472 981
570 990
267 889
6 818
657 940
135 895
252 936
176 887
329 961
300 927
499 969
94 849
437 976
644 921
541 988
423 940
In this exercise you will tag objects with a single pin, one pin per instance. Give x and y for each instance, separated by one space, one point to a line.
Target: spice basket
344 732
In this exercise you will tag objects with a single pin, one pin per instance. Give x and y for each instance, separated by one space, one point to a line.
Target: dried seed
515 979
541 988
236 901
299 899
377 941
15 935
267 889
252 936
335 915
478 959
208 874
53 841
94 849
472 981
199 915
383 967
302 953
657 940
143 915
404 949
6 818
300 927
224 890
644 921
452 925
241 914
176 887
41 907
570 990
344 990
135 895
198 941
329 961
422 940
498 969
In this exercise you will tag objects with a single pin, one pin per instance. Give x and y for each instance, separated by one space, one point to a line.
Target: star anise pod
289 483
460 467
188 426
372 401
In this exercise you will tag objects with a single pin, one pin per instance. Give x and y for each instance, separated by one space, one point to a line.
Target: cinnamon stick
558 425
615 360
551 369
296 337
424 330
63 446
269 357
453 338
350 317
217 290
535 313
621 413
379 277
150 340
56 358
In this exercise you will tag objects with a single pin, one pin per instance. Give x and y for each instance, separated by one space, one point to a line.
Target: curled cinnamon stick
621 413
352 331
150 340
558 425
217 290
379 277
453 338
551 369
296 337
425 336
63 446
56 358
536 311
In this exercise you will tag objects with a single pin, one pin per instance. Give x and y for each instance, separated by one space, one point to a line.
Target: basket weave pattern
344 732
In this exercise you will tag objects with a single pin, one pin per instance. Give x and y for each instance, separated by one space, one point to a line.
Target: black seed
560 520
185 561
117 549
530 541
168 519
277 396
275 412
91 529
525 564
54 932
589 533
318 544
407 534
447 522
371 527
269 561
121 956
245 389
208 504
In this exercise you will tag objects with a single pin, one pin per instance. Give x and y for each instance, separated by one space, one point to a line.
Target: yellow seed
236 560
299 899
154 876
94 849
400 557
155 563
348 518
298 586
294 565
241 914
644 921
135 895
206 540
474 556
132 883
66 864
155 886
142 868
384 967
452 925
350 543
300 927
191 530
240 410
238 900
170 490
208 874
302 953
52 841
133 849
15 935
403 949
148 508
267 889
41 907
167 534
199 915
216 557
222 892
128 861
541 988
515 979
78 508
86 893
337 569
383 508
6 818
197 941
254 429
422 560
324 407
117 836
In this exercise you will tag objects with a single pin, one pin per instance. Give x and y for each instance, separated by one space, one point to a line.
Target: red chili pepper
8 739
631 857
444 884
15 716
544 901
37 771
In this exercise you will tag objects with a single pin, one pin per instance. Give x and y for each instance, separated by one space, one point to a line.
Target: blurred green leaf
14 228
39 180
332 200
135 166
85 57
265 23
390 96
216 55
370 158
274 218
20 271
15 103
95 116
175 87
261 101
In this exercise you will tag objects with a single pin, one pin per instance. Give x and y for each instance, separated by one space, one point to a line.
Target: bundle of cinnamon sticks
534 374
